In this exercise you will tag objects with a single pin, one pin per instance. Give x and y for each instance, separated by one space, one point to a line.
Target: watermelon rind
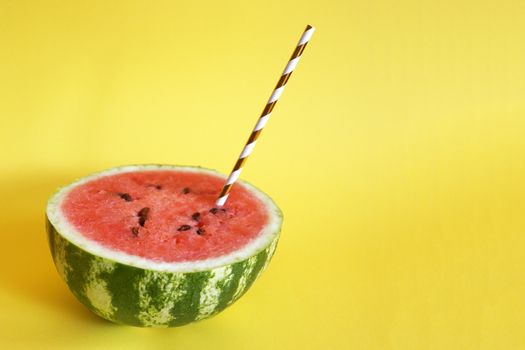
135 291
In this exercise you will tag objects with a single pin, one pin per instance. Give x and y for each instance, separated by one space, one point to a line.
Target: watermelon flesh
164 215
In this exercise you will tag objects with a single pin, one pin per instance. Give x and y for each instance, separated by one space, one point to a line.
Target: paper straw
265 115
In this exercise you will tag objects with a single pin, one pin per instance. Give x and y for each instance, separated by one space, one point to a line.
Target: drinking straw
265 115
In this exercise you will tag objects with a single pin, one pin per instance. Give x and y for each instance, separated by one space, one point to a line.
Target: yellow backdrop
396 154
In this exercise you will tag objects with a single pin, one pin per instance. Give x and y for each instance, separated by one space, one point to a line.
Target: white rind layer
64 227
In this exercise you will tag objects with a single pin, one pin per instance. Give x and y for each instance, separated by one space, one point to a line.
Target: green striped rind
135 296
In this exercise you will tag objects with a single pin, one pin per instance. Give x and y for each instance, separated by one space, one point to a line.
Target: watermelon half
145 246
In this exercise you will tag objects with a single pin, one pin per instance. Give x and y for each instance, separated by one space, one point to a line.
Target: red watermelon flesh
165 215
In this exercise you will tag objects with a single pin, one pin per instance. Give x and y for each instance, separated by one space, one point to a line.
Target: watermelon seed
200 231
186 190
158 187
216 210
196 216
143 216
184 228
135 231
125 196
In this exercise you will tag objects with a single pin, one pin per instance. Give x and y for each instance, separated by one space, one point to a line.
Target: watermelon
145 246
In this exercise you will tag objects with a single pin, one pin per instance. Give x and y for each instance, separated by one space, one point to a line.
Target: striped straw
265 115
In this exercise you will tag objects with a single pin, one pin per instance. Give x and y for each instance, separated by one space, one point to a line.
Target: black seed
186 190
125 196
158 187
143 216
216 210
200 231
184 228
135 231
196 216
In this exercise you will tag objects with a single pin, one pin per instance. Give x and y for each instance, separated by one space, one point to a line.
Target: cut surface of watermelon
165 215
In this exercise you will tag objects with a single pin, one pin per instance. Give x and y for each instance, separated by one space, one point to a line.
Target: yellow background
396 153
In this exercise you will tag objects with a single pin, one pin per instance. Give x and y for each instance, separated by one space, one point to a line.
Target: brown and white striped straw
265 115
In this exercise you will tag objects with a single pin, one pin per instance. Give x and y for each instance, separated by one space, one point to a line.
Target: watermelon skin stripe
140 297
